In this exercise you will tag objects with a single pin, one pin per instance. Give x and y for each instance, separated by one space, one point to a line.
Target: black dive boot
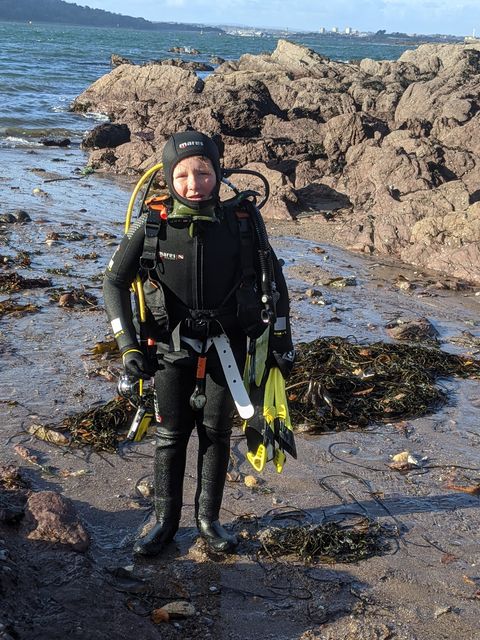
169 469
213 456
161 533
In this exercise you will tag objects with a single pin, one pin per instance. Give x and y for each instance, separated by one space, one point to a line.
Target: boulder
116 60
106 135
184 64
297 57
129 84
345 131
448 242
55 142
52 518
217 60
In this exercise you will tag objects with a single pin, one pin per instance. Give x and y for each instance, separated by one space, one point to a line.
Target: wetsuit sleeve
119 275
281 338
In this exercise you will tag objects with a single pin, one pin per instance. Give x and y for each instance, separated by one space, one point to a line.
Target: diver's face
194 178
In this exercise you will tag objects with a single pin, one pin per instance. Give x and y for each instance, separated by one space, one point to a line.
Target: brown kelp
12 282
329 542
100 426
337 384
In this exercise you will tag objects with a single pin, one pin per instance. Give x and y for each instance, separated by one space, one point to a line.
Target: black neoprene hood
185 145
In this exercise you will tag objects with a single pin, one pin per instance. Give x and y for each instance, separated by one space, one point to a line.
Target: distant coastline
60 12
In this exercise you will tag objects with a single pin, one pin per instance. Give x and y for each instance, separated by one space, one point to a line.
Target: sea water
44 67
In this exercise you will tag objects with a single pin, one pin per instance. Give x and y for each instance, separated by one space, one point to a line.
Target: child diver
197 253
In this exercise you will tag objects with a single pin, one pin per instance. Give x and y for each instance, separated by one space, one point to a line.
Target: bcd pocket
156 322
249 308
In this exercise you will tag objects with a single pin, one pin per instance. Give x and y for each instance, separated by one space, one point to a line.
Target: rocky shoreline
55 501
392 147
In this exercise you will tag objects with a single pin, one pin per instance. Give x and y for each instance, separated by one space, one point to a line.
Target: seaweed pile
100 426
330 542
11 308
13 282
338 385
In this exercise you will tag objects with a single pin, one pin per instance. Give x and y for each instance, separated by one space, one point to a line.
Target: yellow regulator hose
137 286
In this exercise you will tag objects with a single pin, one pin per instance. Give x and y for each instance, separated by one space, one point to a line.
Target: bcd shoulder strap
155 230
247 245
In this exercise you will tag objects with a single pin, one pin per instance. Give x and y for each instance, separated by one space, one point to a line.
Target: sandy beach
425 587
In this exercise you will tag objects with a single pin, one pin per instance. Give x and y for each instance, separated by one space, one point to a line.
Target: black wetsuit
198 273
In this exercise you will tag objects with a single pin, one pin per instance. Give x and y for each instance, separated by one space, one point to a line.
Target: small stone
22 216
250 481
40 192
440 611
313 293
8 218
145 487
66 300
234 476
160 615
404 285
180 609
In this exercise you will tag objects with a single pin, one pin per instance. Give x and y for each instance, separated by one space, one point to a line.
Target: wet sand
426 587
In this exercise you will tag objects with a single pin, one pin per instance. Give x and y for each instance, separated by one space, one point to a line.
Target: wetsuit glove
284 361
136 365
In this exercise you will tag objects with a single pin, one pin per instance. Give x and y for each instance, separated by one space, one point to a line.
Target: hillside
58 11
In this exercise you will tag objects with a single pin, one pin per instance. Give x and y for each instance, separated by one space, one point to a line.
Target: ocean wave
14 137
93 115
37 133
13 142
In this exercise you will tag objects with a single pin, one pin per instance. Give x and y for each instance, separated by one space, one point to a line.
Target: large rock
396 141
448 242
129 84
106 135
52 518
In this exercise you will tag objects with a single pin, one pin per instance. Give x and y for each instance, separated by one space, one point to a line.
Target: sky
452 17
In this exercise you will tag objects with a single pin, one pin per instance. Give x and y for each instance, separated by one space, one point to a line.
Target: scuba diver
208 290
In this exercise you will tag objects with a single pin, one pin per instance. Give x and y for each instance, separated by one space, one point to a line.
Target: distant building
322 30
334 29
472 39
348 31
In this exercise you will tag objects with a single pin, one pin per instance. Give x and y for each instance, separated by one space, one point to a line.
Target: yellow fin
258 459
279 460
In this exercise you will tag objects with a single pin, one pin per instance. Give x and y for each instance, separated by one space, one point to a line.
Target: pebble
160 615
40 192
145 487
312 293
179 609
22 216
8 218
